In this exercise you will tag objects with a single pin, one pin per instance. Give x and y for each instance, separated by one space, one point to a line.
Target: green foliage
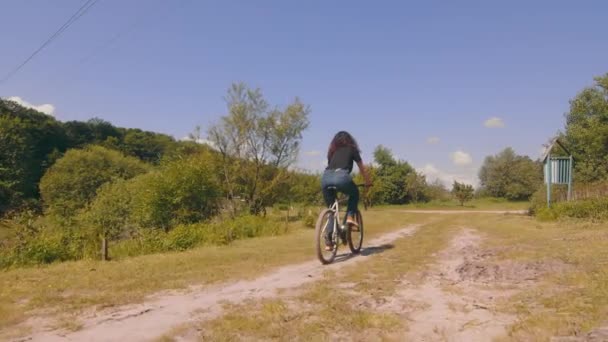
33 141
37 243
72 182
436 191
300 188
594 209
587 132
257 144
182 191
538 200
462 192
510 176
27 139
188 236
396 178
109 213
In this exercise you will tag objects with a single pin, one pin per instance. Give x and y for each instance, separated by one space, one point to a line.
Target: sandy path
452 307
156 317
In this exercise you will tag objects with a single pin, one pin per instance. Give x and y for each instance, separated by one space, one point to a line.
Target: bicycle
329 218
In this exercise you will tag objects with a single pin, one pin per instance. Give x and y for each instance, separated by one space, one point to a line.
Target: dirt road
159 314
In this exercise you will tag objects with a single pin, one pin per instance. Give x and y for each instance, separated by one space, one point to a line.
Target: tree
109 214
587 131
510 176
147 146
437 191
415 187
462 192
72 182
257 144
29 141
393 175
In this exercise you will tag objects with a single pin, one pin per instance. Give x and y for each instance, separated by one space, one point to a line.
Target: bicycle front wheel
355 235
324 235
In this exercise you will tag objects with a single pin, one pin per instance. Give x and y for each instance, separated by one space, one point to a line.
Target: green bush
72 182
47 244
187 236
146 241
594 209
538 200
181 192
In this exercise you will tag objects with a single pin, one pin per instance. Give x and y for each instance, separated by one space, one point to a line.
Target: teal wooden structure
557 169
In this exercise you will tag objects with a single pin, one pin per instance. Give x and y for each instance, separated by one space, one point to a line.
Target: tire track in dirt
452 307
156 317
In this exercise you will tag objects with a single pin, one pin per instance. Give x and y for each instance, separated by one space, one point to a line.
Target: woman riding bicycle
343 151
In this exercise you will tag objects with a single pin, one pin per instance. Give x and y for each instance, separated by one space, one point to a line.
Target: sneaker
329 248
350 220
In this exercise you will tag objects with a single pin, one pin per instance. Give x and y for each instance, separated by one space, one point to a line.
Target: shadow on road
365 252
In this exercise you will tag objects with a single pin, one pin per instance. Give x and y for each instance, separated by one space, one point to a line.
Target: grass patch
70 287
274 319
569 303
595 209
475 204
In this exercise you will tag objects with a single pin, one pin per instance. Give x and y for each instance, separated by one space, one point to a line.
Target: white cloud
48 109
494 122
432 173
433 140
461 158
200 141
312 153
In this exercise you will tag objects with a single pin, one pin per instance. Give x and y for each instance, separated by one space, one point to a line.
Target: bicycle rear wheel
355 237
326 218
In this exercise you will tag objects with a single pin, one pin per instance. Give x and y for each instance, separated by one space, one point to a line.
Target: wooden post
104 249
570 179
549 180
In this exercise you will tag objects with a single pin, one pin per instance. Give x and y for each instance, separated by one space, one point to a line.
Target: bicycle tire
320 239
355 246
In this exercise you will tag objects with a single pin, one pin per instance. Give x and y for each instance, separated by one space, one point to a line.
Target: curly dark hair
341 139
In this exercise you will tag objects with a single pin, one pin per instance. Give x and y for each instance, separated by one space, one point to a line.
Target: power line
139 20
79 13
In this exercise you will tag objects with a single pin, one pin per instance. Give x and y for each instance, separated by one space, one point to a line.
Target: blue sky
391 72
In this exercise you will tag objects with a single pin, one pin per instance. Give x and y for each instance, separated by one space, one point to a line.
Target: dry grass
569 303
69 288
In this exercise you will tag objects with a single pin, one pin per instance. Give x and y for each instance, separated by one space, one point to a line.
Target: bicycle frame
338 228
